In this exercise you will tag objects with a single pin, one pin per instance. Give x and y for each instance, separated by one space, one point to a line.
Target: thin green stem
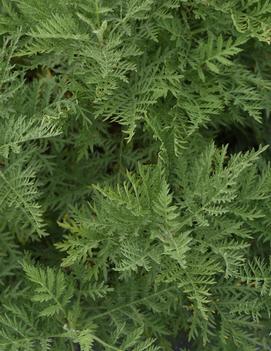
135 302
105 344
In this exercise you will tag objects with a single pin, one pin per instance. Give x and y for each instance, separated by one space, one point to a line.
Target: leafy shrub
134 177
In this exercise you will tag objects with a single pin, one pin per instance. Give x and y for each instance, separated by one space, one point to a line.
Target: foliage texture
135 184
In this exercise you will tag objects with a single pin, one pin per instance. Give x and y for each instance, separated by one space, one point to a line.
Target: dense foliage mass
135 186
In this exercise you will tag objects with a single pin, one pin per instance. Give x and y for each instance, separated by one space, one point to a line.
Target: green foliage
135 183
